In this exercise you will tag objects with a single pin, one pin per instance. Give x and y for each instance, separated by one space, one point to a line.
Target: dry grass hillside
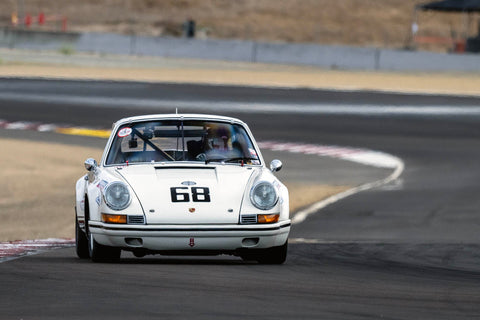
381 23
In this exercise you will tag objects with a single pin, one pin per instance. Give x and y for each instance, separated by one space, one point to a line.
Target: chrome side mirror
276 165
91 164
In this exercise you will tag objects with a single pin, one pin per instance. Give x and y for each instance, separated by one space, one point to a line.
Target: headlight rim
252 199
113 206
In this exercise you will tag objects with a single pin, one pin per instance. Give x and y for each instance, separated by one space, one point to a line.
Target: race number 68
182 194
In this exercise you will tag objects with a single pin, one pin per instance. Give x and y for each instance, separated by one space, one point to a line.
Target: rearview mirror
276 165
133 144
91 164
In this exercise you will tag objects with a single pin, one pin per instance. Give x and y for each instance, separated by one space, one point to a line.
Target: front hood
207 194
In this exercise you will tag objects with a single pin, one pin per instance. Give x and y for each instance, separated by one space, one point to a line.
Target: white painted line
316 241
322 241
246 107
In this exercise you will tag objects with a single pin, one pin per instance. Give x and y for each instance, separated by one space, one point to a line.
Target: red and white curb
16 249
12 250
27 125
362 156
58 128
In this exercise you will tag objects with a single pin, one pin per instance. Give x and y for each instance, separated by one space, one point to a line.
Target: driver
220 144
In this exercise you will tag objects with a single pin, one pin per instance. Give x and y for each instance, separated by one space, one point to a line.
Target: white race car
182 184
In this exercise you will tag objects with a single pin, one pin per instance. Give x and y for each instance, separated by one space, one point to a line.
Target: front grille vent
136 219
249 219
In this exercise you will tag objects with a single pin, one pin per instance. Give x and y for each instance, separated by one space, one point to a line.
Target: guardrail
330 57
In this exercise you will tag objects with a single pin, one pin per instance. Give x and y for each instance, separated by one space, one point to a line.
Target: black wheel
101 253
96 251
81 242
275 255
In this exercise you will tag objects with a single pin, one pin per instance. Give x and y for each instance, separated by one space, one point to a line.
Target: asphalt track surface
409 250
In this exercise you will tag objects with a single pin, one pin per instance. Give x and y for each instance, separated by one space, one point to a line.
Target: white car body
181 206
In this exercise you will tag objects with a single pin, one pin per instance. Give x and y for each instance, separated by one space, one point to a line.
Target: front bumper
190 237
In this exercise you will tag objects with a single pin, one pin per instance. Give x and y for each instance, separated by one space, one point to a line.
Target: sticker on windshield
253 153
124 132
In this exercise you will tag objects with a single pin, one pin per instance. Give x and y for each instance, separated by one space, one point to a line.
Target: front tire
81 242
274 255
96 251
101 253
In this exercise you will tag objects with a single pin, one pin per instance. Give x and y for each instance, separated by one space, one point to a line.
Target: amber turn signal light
267 218
114 218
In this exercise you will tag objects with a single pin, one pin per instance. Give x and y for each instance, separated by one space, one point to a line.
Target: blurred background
396 76
396 24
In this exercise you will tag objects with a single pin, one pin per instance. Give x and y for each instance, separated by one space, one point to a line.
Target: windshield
182 140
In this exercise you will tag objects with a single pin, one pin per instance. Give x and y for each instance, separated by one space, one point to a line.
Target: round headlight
264 196
117 196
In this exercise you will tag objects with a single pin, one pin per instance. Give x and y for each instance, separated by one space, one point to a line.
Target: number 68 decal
181 194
